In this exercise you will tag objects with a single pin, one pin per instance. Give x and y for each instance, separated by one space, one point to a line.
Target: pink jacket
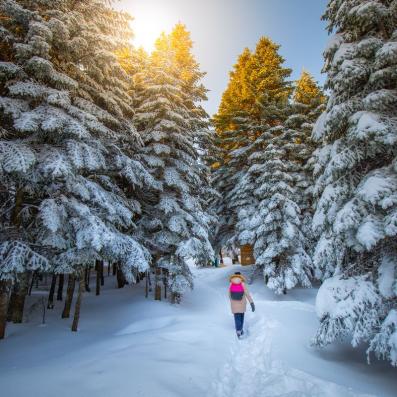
241 305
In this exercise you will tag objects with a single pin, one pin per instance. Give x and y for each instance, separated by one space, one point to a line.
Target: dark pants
239 321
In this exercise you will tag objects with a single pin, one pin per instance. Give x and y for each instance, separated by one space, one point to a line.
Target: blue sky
221 29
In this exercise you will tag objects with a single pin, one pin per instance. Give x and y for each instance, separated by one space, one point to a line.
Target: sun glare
149 21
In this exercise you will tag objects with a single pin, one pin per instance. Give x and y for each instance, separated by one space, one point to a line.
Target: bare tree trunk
147 284
108 269
77 305
157 288
98 277
34 278
11 303
114 268
4 293
221 257
87 273
120 277
20 296
50 303
69 296
102 266
149 280
60 287
165 275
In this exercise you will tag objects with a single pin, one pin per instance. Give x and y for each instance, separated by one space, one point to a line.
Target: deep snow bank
130 346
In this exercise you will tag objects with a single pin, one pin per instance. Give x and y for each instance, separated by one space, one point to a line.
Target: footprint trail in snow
253 372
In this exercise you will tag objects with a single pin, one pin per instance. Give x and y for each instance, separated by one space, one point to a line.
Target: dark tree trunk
20 296
77 305
50 303
11 303
120 277
87 273
102 269
147 284
157 288
114 268
108 269
149 280
60 287
35 277
221 257
4 293
98 277
69 296
165 275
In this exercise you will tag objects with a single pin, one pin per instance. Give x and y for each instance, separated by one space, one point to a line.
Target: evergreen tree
305 108
274 194
275 224
257 82
67 146
227 176
234 98
174 221
356 178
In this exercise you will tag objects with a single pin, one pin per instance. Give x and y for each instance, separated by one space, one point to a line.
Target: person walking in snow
238 295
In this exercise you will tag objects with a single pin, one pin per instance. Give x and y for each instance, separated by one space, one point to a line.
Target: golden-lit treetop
132 60
307 90
267 74
179 44
182 45
173 52
236 95
257 77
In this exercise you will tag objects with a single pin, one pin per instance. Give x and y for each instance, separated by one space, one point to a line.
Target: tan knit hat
238 275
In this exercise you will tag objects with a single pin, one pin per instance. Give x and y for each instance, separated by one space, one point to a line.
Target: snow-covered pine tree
256 83
230 169
306 106
231 124
174 222
357 178
195 93
67 146
275 225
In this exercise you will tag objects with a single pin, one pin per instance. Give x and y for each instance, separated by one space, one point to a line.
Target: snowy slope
130 346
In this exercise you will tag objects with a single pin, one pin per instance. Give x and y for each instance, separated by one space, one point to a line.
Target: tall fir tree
67 144
174 223
308 102
357 178
275 192
257 83
275 224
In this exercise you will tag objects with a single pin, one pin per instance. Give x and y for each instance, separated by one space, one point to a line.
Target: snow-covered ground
130 346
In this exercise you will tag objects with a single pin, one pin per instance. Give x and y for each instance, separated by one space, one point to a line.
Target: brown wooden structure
247 254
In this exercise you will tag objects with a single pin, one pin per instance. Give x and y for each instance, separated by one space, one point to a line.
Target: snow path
131 346
253 371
